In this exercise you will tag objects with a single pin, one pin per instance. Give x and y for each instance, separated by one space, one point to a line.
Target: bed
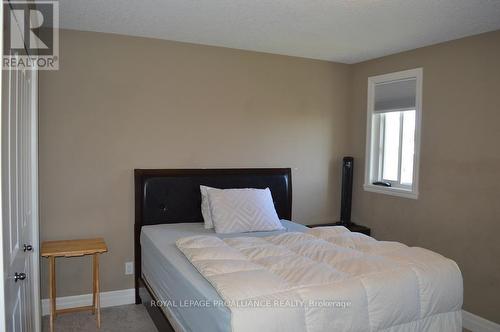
171 197
169 283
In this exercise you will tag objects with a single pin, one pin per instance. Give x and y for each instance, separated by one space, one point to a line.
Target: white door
14 257
19 201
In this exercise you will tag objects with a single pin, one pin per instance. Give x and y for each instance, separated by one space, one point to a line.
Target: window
393 133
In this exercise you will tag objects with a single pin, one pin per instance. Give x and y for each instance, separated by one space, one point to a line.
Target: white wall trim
2 275
372 146
476 323
108 299
393 191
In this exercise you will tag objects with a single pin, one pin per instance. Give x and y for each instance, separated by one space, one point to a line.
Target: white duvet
329 279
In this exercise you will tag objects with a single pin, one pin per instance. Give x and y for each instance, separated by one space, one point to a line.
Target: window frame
374 137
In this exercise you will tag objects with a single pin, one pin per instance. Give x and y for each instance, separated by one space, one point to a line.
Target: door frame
2 289
35 231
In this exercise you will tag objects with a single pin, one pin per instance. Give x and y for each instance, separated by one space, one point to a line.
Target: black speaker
346 194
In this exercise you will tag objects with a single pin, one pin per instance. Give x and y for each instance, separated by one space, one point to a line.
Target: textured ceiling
346 31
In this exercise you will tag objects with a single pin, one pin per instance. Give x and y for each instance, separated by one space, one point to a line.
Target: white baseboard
108 299
475 323
471 322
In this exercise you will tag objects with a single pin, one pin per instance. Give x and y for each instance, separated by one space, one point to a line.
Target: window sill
391 191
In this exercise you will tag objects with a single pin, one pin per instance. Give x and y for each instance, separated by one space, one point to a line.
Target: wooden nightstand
351 226
74 248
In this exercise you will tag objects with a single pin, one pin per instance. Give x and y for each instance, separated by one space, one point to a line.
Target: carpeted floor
126 318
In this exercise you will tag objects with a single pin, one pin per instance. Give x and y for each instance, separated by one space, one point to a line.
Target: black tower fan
346 195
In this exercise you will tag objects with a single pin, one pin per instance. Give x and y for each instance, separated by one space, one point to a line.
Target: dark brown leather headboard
166 196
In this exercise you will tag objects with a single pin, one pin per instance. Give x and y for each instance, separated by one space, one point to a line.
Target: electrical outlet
129 268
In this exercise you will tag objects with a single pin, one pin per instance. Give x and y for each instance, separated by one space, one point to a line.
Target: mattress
187 297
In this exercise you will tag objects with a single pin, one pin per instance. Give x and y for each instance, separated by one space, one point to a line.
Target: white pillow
243 210
205 207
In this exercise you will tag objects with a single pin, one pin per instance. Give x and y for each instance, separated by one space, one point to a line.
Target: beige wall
458 211
119 103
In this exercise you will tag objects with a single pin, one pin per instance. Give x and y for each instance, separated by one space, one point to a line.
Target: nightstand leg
52 291
97 295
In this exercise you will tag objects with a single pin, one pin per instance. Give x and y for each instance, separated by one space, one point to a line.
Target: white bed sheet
284 282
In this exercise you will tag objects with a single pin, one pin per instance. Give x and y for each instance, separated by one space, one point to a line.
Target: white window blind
395 96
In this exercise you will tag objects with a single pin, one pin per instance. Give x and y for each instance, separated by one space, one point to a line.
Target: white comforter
329 279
